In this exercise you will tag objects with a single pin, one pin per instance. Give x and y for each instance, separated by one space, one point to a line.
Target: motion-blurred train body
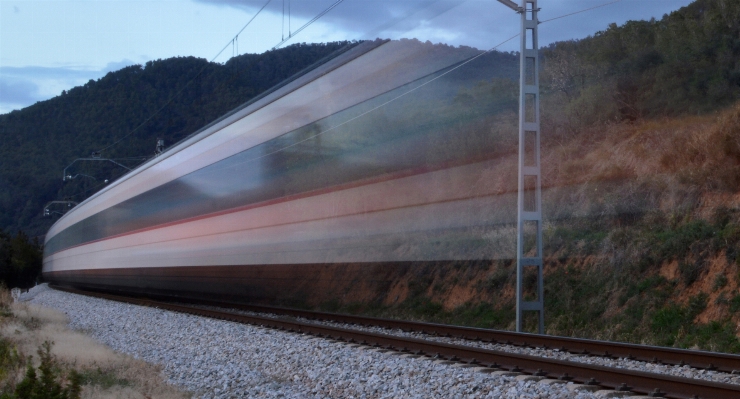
362 165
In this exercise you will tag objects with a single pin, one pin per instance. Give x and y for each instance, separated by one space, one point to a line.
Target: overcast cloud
467 22
50 46
24 86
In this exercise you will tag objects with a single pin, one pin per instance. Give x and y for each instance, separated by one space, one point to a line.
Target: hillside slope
641 163
641 235
39 141
168 99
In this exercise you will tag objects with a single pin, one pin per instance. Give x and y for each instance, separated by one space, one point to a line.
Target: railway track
623 380
723 362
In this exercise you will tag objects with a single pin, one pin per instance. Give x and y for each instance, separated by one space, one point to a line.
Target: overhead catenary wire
314 19
421 85
578 12
404 94
307 24
234 42
86 191
172 98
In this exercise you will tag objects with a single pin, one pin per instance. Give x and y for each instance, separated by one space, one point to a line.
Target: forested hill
38 142
688 62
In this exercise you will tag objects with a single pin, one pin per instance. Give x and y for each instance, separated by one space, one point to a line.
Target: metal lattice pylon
529 199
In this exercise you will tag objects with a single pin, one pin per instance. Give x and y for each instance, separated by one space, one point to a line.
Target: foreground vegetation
67 364
20 260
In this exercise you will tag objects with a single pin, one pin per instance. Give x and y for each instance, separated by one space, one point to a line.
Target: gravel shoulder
105 372
220 359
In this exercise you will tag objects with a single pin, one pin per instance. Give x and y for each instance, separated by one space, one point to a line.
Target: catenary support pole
529 208
529 198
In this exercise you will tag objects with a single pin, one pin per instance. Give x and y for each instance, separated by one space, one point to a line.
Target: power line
404 94
234 41
172 98
578 12
290 36
314 19
421 85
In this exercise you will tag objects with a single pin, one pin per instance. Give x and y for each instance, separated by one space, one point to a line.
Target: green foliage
674 325
483 315
20 260
38 142
669 321
10 361
103 379
719 282
47 382
576 300
683 63
641 303
676 242
689 271
735 304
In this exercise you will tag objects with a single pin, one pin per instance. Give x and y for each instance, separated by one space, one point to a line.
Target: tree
21 260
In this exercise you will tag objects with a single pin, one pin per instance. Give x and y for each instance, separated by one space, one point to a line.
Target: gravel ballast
623 363
220 359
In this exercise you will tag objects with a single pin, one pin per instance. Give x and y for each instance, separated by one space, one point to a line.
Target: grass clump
719 282
10 362
104 379
73 366
735 304
47 383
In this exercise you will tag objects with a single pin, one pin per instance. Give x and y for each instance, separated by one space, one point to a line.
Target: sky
50 46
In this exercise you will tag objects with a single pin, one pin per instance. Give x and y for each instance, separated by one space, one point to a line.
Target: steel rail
723 362
608 377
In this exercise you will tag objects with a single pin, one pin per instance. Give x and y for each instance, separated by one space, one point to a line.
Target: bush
689 271
719 282
21 259
10 362
735 303
46 383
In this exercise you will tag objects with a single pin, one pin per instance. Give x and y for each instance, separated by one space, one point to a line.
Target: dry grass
106 374
6 300
668 164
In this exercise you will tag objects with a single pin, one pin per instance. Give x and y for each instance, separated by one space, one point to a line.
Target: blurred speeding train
369 162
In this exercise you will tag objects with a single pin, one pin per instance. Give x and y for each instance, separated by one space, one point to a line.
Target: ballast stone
219 359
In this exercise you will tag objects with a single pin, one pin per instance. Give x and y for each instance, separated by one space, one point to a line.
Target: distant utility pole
95 156
48 212
529 199
159 149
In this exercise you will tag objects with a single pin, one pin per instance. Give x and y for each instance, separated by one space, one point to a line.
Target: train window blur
437 117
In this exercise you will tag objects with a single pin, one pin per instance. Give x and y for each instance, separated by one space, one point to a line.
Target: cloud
369 17
117 65
16 94
474 23
24 86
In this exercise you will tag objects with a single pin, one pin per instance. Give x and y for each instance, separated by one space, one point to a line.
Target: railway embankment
641 235
67 361
220 359
228 353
